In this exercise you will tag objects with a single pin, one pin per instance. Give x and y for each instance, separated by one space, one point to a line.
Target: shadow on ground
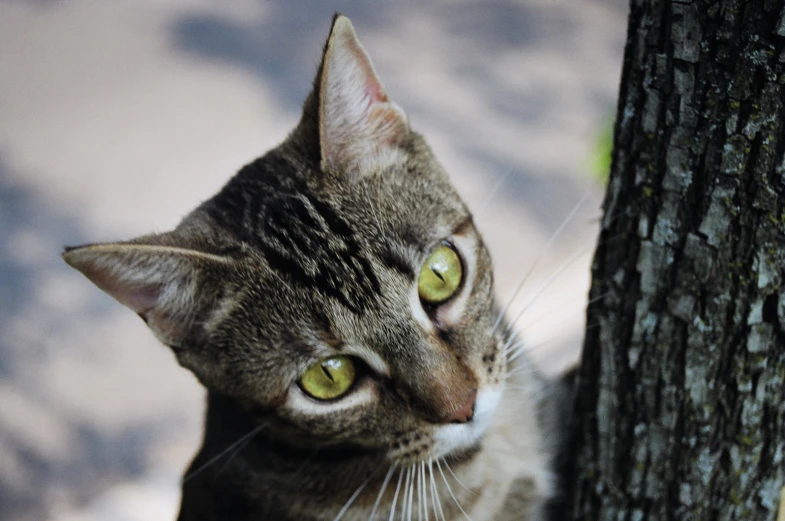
35 470
279 46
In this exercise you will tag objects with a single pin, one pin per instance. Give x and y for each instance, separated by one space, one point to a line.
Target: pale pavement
116 118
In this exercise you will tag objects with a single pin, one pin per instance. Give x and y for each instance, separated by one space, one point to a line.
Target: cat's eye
440 276
329 378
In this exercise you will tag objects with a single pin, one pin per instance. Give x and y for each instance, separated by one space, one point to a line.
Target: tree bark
680 403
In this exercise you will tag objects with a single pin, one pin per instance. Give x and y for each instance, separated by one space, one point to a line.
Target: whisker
547 247
557 308
231 456
502 179
395 496
228 449
515 350
536 347
411 496
549 281
354 496
511 347
435 499
419 496
524 348
592 327
511 325
517 371
524 365
302 467
516 353
598 297
601 241
458 480
528 363
406 491
515 361
516 344
423 492
382 489
449 489
519 347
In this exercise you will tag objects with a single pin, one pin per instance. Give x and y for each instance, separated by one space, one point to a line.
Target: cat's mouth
460 440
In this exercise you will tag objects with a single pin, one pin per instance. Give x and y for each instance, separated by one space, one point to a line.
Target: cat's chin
460 440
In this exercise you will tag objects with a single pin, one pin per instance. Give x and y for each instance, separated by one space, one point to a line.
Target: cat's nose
465 412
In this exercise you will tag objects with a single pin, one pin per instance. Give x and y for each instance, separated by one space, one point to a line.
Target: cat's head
336 287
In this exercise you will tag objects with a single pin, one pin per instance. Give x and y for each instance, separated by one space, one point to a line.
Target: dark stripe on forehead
394 260
303 238
306 238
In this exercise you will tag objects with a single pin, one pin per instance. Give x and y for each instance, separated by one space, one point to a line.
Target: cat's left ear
360 130
168 286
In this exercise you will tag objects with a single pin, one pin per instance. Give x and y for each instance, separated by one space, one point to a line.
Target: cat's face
336 287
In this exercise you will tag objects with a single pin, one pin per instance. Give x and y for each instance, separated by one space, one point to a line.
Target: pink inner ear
139 296
140 299
373 87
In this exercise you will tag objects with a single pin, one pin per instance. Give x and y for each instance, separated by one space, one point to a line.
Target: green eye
440 276
329 378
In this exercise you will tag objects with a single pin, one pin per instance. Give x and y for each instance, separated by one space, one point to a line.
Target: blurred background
116 118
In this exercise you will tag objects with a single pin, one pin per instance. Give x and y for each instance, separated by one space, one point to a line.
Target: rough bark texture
680 410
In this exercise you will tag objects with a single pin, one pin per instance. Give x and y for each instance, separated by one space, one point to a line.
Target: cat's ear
167 286
360 130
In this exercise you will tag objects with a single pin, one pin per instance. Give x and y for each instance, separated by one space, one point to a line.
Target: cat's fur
315 249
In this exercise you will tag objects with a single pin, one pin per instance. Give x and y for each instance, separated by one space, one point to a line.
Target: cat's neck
237 433
240 468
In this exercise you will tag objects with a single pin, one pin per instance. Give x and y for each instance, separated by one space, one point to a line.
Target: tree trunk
680 409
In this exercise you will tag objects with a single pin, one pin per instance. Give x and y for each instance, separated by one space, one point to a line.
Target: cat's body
346 251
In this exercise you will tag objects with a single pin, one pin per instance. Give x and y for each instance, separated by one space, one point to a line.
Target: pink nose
465 412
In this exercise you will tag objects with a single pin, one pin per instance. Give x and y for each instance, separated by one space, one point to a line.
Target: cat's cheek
217 375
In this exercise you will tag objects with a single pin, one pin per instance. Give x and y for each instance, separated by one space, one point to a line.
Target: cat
337 302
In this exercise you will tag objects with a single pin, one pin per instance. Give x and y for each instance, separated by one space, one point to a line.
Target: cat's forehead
286 199
343 247
411 203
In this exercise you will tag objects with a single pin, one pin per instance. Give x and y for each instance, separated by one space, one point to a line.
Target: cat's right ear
360 130
167 286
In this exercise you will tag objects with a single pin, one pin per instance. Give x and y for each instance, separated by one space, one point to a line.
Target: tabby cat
337 302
